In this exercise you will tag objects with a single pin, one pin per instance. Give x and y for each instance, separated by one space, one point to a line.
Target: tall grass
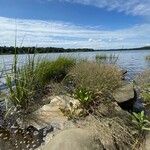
108 59
21 83
99 79
53 70
147 58
96 77
30 79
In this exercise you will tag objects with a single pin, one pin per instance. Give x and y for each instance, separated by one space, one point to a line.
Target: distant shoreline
31 50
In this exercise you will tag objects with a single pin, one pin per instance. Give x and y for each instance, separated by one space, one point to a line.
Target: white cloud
134 7
61 34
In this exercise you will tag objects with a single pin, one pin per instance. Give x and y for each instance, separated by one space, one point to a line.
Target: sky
97 24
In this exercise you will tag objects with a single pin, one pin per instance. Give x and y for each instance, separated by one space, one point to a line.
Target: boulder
124 93
51 114
74 139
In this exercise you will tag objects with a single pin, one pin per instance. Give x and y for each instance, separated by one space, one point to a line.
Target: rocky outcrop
111 129
51 113
74 139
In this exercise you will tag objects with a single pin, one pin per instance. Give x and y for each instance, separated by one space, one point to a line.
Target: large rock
124 93
51 113
74 139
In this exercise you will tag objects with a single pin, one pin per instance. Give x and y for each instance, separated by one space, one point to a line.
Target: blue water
133 61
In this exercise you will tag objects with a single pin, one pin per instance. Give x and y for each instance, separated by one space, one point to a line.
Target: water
133 61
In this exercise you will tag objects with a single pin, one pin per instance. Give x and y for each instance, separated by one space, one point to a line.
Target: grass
147 58
91 83
29 81
53 70
95 77
104 58
143 82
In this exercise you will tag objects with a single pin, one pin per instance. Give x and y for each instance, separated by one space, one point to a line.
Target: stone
51 114
125 93
74 139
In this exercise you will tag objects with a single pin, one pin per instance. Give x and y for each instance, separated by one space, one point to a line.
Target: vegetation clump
27 83
109 59
143 82
96 77
141 121
92 83
147 58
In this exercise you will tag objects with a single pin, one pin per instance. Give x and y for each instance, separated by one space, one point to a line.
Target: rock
51 114
125 97
74 139
124 93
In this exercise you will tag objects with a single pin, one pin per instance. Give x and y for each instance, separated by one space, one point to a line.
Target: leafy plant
83 95
140 119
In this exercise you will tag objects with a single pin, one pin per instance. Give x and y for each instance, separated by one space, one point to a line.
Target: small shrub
140 119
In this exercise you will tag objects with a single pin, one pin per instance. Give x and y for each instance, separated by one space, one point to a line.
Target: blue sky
75 23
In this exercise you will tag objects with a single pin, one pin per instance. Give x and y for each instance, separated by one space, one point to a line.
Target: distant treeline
32 50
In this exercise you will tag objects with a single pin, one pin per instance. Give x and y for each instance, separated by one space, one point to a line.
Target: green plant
83 95
54 70
108 59
21 84
147 58
146 97
140 119
143 83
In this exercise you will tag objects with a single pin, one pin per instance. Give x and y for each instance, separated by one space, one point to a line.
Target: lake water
133 61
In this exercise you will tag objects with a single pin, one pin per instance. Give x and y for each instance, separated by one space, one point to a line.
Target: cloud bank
62 34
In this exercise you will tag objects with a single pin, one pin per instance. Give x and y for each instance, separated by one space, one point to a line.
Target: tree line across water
32 50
